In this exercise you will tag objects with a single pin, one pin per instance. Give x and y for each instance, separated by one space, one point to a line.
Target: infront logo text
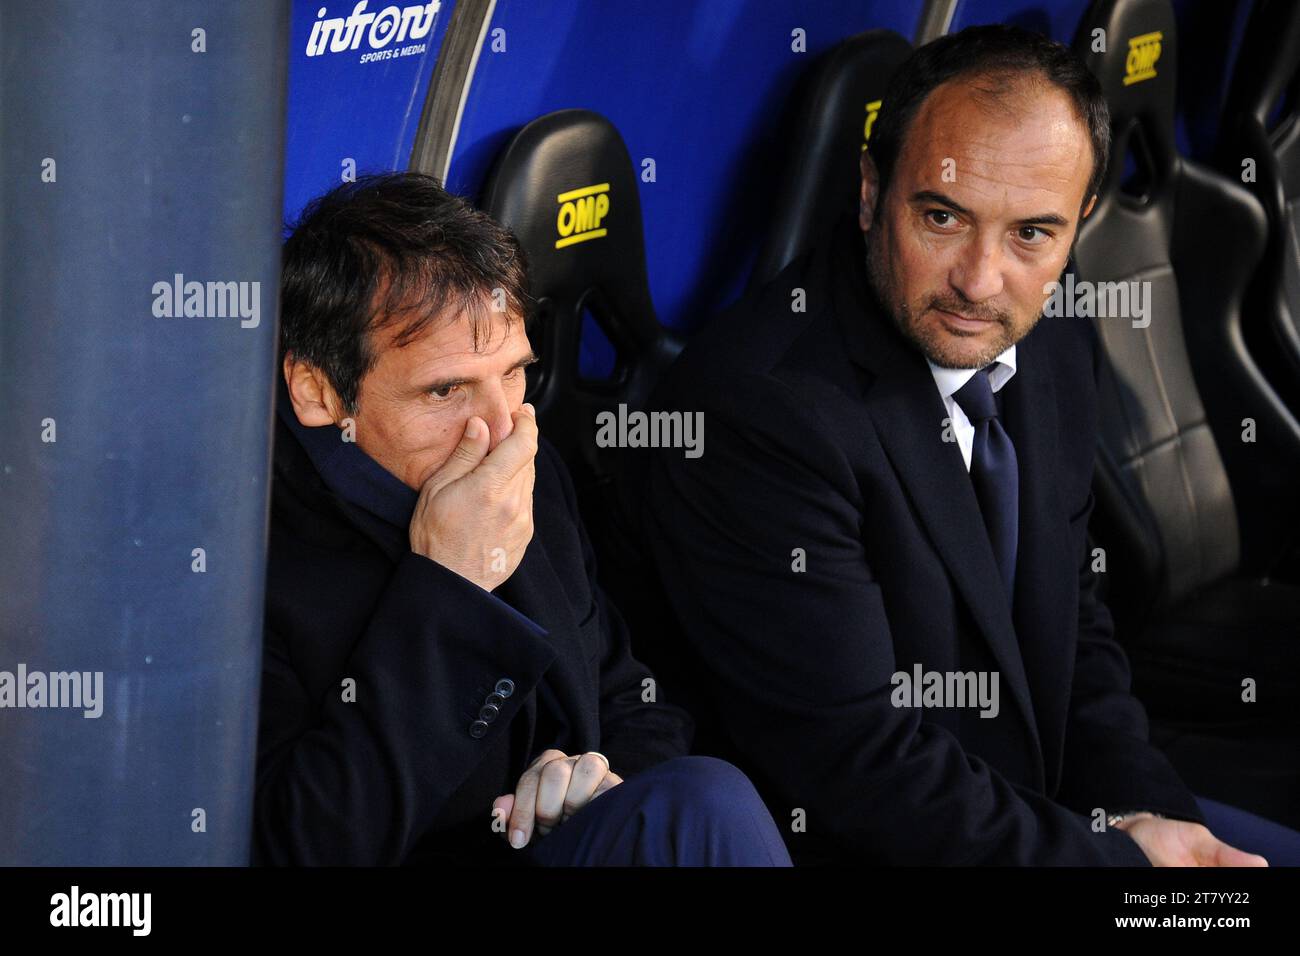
389 25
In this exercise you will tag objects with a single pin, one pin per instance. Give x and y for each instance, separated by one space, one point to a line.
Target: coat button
489 712
505 687
495 699
478 729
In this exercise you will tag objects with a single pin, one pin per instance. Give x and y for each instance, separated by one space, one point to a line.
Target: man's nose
977 274
496 410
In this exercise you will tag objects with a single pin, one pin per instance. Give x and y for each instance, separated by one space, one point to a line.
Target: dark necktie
994 472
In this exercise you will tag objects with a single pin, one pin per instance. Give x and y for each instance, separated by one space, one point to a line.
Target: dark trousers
701 811
1246 831
691 811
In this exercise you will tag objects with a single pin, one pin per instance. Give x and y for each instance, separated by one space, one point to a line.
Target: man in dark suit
443 678
882 561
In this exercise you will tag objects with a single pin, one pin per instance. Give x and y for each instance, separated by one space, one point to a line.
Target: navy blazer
825 437
407 772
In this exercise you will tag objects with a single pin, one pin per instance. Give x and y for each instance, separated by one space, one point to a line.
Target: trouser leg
1254 834
691 811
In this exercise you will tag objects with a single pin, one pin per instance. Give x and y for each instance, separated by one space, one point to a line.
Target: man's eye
443 392
1032 235
941 217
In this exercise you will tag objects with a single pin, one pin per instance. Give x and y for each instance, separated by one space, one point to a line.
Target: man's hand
550 791
1181 843
474 515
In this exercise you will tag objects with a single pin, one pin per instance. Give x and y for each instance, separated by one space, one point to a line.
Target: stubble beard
933 342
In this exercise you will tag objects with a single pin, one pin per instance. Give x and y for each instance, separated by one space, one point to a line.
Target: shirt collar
347 470
949 380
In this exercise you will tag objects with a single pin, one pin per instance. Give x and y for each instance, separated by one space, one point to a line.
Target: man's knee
708 786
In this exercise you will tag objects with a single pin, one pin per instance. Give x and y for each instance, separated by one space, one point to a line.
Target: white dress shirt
949 380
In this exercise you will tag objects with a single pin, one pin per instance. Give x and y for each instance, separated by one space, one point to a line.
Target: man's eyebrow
1046 219
524 362
939 199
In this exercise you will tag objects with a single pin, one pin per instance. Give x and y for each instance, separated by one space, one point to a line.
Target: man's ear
314 399
870 191
1087 210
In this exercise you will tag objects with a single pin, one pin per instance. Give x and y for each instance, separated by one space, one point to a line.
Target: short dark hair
389 248
1000 52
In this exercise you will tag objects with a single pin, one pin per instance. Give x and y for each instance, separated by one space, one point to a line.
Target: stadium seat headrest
1130 46
568 189
1268 61
829 123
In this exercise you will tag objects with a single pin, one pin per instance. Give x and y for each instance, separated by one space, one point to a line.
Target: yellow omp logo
581 213
873 110
1143 52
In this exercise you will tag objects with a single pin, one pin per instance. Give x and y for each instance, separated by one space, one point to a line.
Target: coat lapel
907 412
1045 599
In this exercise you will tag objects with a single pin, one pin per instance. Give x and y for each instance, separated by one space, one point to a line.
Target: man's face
979 216
413 405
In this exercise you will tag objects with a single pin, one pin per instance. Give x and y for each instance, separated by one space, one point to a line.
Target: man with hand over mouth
443 679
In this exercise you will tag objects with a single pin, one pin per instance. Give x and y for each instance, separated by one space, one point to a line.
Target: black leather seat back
827 126
1163 491
568 189
1267 72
